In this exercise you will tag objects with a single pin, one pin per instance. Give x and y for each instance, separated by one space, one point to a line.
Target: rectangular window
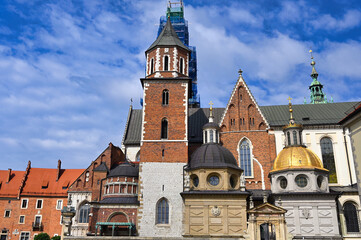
24 235
7 213
22 219
39 204
37 220
59 204
24 203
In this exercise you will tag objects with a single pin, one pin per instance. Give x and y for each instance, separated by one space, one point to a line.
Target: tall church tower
164 142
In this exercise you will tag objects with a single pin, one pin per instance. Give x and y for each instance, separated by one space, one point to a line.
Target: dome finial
211 111
292 120
314 73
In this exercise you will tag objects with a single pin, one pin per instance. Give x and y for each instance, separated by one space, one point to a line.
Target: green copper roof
168 38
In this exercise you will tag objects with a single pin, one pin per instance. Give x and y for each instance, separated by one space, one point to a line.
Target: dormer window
165 97
166 63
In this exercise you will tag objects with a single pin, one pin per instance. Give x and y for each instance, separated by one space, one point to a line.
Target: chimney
9 175
58 170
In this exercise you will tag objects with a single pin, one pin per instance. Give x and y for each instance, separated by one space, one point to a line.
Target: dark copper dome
212 155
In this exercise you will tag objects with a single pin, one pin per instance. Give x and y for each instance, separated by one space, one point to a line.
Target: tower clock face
213 180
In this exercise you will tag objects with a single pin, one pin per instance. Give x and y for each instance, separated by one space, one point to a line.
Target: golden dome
297 158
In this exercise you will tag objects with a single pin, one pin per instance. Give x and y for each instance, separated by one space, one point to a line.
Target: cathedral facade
244 171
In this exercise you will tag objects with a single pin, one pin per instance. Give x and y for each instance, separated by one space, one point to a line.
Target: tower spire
316 93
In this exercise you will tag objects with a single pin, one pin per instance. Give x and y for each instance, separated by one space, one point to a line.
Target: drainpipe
347 132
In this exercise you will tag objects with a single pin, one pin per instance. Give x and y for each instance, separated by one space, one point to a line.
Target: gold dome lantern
297 157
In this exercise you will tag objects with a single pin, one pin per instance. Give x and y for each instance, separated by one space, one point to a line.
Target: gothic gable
242 112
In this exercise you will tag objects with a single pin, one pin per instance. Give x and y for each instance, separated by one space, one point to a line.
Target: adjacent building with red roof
31 200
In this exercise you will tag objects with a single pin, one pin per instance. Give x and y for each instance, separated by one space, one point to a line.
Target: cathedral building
244 171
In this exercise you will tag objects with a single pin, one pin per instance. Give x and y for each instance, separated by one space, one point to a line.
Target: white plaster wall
132 153
320 218
153 177
311 138
79 229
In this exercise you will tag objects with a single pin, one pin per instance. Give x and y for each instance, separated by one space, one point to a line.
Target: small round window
301 181
195 181
283 183
319 181
233 181
213 180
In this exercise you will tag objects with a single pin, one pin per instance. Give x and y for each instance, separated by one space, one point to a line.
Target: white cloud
351 19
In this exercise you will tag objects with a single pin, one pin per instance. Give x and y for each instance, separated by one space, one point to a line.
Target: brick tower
164 142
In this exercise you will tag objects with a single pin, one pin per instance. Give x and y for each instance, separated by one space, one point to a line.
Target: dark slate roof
168 37
198 117
101 168
343 189
125 170
134 128
277 116
120 200
307 114
212 155
352 112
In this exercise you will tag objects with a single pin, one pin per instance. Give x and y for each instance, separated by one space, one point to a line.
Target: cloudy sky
68 69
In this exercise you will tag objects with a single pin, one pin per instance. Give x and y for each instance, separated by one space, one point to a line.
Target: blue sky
68 69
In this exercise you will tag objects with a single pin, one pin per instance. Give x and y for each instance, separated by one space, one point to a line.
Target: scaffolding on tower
175 11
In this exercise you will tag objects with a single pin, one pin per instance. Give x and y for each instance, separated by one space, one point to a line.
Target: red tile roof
11 188
42 181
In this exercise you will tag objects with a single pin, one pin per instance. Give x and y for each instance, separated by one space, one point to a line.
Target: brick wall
50 216
244 120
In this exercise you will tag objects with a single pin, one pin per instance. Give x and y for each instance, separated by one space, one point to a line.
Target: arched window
245 158
84 211
294 133
164 130
288 138
137 157
211 136
163 211
166 63
351 218
328 158
152 66
165 97
181 66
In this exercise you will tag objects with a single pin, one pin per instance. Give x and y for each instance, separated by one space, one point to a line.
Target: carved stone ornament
216 211
186 180
306 213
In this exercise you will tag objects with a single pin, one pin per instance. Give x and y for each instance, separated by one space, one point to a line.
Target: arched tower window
166 63
294 133
288 138
351 218
164 130
245 158
162 211
328 158
181 65
152 66
165 97
84 211
211 139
